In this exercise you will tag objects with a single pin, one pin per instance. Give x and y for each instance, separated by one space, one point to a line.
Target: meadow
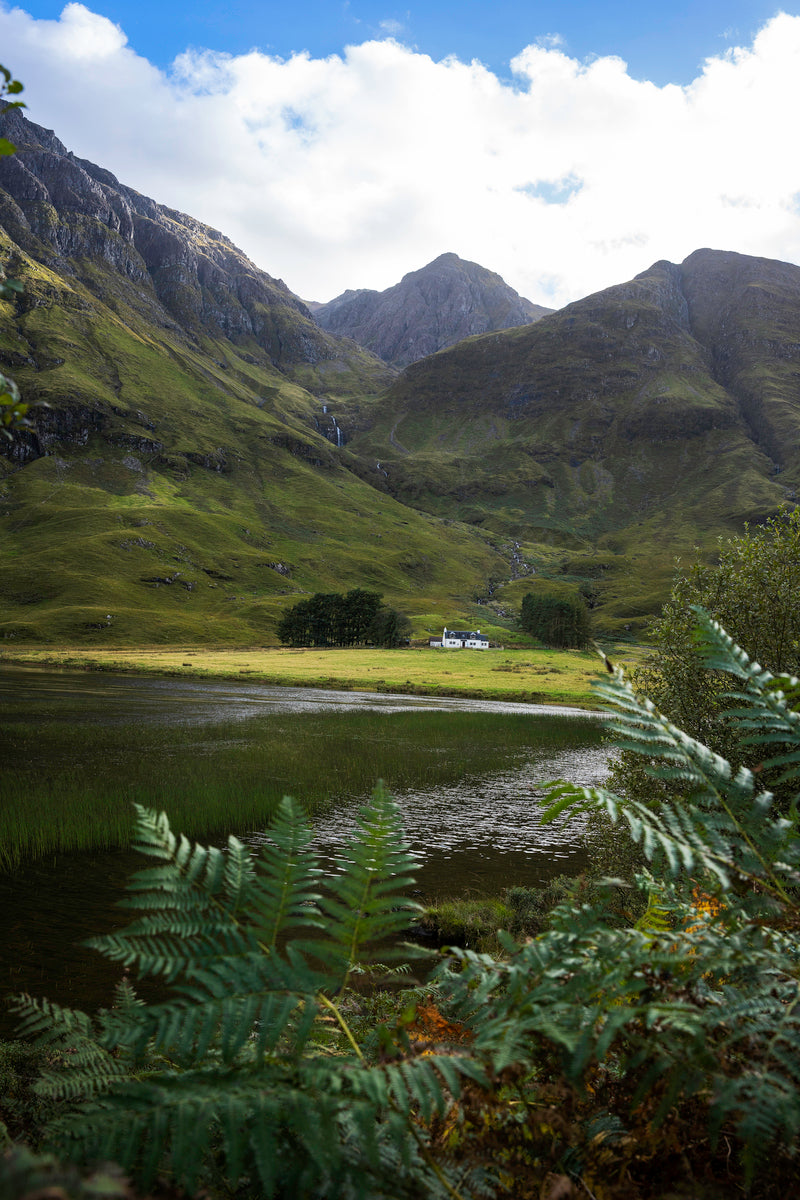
561 677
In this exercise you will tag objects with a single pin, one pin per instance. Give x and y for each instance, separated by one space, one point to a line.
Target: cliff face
63 210
430 309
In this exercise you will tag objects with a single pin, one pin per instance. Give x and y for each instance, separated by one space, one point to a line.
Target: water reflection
118 699
485 833
480 835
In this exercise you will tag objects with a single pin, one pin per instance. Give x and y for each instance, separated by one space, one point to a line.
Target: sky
341 144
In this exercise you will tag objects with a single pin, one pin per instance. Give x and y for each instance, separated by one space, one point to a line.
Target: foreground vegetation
623 1063
536 676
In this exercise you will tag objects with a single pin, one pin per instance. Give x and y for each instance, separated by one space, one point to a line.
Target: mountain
437 306
204 453
619 432
186 478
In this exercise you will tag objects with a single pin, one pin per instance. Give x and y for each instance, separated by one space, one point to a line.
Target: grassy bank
536 676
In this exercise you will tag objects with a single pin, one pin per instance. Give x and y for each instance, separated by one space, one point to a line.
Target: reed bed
70 785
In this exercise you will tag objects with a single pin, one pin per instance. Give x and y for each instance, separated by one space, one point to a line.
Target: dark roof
463 634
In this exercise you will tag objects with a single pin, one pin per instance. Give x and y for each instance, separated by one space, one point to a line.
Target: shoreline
558 678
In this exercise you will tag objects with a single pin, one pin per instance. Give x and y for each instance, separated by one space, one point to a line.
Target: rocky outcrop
62 209
441 304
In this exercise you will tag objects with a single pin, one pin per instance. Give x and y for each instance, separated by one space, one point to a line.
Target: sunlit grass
538 676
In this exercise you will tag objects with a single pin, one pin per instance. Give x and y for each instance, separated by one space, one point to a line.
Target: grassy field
537 676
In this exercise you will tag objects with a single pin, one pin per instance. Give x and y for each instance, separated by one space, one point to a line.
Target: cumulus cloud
350 170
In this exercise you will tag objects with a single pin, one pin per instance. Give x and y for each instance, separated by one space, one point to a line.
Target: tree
389 628
753 590
558 619
330 619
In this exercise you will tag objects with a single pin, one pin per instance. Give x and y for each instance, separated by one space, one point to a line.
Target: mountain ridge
197 274
654 415
209 453
186 480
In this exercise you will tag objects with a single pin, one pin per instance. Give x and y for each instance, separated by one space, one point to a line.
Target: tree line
353 618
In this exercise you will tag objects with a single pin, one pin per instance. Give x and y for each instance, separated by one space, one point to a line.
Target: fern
252 1054
256 954
699 1002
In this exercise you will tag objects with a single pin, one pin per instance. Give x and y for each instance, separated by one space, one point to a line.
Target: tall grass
71 785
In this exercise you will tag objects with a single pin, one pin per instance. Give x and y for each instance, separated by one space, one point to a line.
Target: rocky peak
442 303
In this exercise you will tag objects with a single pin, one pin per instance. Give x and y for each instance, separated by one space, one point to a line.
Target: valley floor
534 676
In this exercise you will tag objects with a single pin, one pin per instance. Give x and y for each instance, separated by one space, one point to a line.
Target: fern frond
365 904
722 824
285 892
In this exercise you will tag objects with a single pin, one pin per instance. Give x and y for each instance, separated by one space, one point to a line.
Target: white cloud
349 171
391 27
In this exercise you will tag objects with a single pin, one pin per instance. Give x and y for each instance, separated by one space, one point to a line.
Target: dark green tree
330 619
753 590
389 628
559 620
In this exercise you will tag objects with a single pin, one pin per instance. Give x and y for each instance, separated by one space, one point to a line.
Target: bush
753 592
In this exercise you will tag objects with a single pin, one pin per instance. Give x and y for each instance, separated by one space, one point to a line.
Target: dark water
478 836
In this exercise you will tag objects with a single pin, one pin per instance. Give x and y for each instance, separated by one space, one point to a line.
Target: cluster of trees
557 619
343 619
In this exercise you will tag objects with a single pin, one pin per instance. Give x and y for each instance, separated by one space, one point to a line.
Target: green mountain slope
204 453
183 483
620 431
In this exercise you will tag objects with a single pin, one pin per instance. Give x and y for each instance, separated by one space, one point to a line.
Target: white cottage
459 639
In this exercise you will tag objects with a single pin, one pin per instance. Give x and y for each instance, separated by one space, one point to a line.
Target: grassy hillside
179 488
204 454
606 439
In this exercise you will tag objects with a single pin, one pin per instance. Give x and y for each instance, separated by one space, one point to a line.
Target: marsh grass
70 785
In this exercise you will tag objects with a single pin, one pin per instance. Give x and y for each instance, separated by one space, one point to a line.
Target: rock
430 309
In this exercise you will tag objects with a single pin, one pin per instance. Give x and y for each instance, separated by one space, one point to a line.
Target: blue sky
665 43
567 146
